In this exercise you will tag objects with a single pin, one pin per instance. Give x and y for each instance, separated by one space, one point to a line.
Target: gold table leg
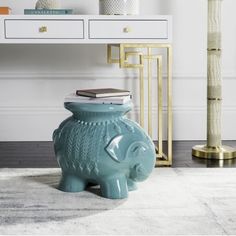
123 60
149 91
160 108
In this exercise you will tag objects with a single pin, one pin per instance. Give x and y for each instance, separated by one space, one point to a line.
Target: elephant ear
117 147
120 148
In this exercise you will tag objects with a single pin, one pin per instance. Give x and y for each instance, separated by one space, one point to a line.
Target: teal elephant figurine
99 145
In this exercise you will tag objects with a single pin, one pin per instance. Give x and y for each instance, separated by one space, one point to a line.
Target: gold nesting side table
146 59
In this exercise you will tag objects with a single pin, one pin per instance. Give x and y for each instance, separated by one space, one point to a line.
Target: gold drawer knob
127 29
43 29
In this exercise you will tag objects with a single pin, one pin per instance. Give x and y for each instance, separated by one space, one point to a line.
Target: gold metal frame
123 60
214 153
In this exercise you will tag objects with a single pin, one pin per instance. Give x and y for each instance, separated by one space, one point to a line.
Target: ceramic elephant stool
99 145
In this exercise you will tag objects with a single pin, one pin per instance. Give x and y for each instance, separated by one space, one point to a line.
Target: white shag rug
172 201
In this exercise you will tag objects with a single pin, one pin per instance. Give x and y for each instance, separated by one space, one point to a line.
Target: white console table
130 34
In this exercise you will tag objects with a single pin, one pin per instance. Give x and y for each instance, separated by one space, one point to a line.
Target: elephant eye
137 150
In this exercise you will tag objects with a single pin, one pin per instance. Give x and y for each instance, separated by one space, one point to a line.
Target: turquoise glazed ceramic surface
99 145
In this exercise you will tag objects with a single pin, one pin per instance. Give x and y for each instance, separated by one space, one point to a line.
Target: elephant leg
131 185
114 187
71 183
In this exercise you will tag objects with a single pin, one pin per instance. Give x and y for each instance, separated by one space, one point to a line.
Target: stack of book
48 11
5 11
100 96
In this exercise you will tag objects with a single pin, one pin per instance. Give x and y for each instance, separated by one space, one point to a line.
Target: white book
107 100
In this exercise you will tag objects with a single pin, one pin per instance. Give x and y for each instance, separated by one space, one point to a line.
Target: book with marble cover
103 92
119 100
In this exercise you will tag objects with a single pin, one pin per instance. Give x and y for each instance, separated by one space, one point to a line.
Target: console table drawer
44 29
128 29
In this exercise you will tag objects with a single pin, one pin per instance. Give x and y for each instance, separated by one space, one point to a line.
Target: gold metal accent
43 29
169 102
141 87
160 106
214 99
127 29
214 49
110 60
216 153
149 52
125 52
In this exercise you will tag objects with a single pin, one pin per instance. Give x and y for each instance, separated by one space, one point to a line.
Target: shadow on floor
52 180
37 199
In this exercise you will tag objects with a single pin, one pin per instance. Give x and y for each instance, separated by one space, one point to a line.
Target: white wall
34 79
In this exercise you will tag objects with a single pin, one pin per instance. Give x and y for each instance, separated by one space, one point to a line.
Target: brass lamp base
216 153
